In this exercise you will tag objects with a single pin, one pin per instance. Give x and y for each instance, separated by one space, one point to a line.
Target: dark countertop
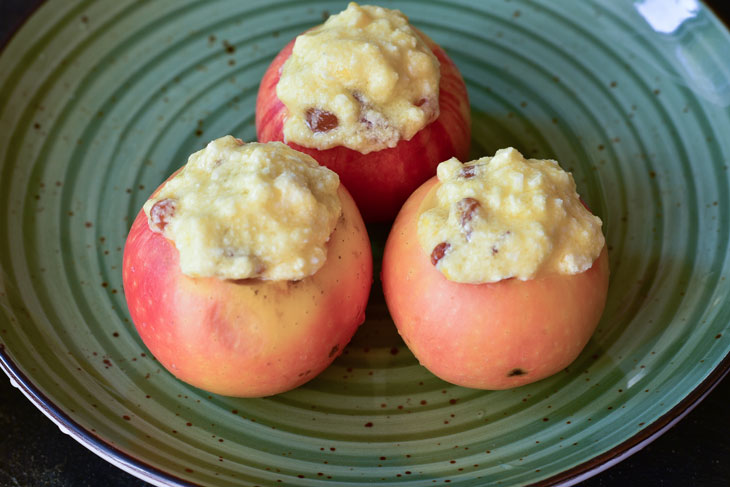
33 452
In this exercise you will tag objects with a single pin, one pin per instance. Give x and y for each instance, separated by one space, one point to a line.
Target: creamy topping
365 79
507 216
238 211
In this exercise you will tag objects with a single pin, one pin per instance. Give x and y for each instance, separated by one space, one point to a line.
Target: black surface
33 452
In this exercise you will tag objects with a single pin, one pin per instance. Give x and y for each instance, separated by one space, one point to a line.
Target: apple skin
247 338
487 336
381 181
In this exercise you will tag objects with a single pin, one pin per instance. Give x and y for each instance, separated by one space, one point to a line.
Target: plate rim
91 441
646 435
144 471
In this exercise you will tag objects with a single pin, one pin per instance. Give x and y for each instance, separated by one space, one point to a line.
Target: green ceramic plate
101 100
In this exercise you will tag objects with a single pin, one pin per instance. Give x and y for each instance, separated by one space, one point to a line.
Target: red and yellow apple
253 337
381 181
493 335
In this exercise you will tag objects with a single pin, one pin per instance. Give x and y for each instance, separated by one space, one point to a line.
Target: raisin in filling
320 120
468 207
468 172
439 252
162 212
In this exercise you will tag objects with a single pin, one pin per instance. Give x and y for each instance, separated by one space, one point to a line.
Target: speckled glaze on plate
102 100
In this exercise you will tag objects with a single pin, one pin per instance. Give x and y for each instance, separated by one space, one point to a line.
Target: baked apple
248 271
495 273
371 98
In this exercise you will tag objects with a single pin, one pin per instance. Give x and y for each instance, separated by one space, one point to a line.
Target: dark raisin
468 207
320 120
363 107
439 252
162 212
468 172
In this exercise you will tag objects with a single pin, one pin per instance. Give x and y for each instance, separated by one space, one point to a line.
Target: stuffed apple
370 97
248 271
495 273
